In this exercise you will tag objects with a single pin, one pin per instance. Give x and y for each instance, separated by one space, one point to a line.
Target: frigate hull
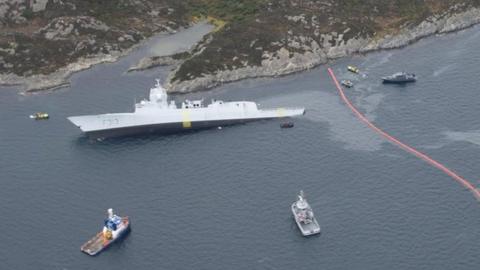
165 128
156 115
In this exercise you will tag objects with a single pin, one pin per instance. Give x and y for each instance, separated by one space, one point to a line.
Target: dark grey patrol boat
400 77
303 214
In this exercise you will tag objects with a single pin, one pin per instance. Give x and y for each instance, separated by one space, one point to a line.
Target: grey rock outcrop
63 27
155 61
38 5
12 11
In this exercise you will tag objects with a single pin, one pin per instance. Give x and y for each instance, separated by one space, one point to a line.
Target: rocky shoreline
43 42
155 61
299 51
59 78
283 62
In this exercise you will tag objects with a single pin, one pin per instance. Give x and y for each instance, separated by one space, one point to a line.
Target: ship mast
159 95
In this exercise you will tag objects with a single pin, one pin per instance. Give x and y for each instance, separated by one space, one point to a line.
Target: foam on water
469 136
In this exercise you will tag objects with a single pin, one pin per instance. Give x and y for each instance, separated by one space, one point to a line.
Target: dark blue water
220 199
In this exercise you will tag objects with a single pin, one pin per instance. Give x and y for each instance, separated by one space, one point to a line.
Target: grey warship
303 214
400 77
157 115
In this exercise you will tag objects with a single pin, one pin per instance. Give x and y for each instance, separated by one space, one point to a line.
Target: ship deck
94 245
310 228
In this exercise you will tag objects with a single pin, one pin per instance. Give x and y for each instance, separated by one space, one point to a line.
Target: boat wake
441 70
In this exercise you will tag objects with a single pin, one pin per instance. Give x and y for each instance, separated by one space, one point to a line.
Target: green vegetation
80 28
226 10
245 29
28 14
265 25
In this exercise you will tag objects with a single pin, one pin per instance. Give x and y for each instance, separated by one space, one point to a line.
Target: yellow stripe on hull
281 112
186 122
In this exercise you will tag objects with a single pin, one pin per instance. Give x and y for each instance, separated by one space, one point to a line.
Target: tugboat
347 83
39 116
303 214
400 77
353 69
115 228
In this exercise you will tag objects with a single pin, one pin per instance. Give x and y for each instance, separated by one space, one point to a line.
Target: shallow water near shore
220 199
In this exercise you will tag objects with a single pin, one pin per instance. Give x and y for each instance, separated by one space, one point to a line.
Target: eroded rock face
156 61
4 7
64 27
13 11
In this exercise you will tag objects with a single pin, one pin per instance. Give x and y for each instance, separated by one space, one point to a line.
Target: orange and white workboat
115 228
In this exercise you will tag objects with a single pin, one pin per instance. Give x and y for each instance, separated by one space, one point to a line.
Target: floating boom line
464 182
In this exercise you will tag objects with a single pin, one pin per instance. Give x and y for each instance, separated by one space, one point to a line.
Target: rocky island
43 41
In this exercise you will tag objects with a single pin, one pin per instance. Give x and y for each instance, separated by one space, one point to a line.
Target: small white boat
347 83
39 116
303 214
